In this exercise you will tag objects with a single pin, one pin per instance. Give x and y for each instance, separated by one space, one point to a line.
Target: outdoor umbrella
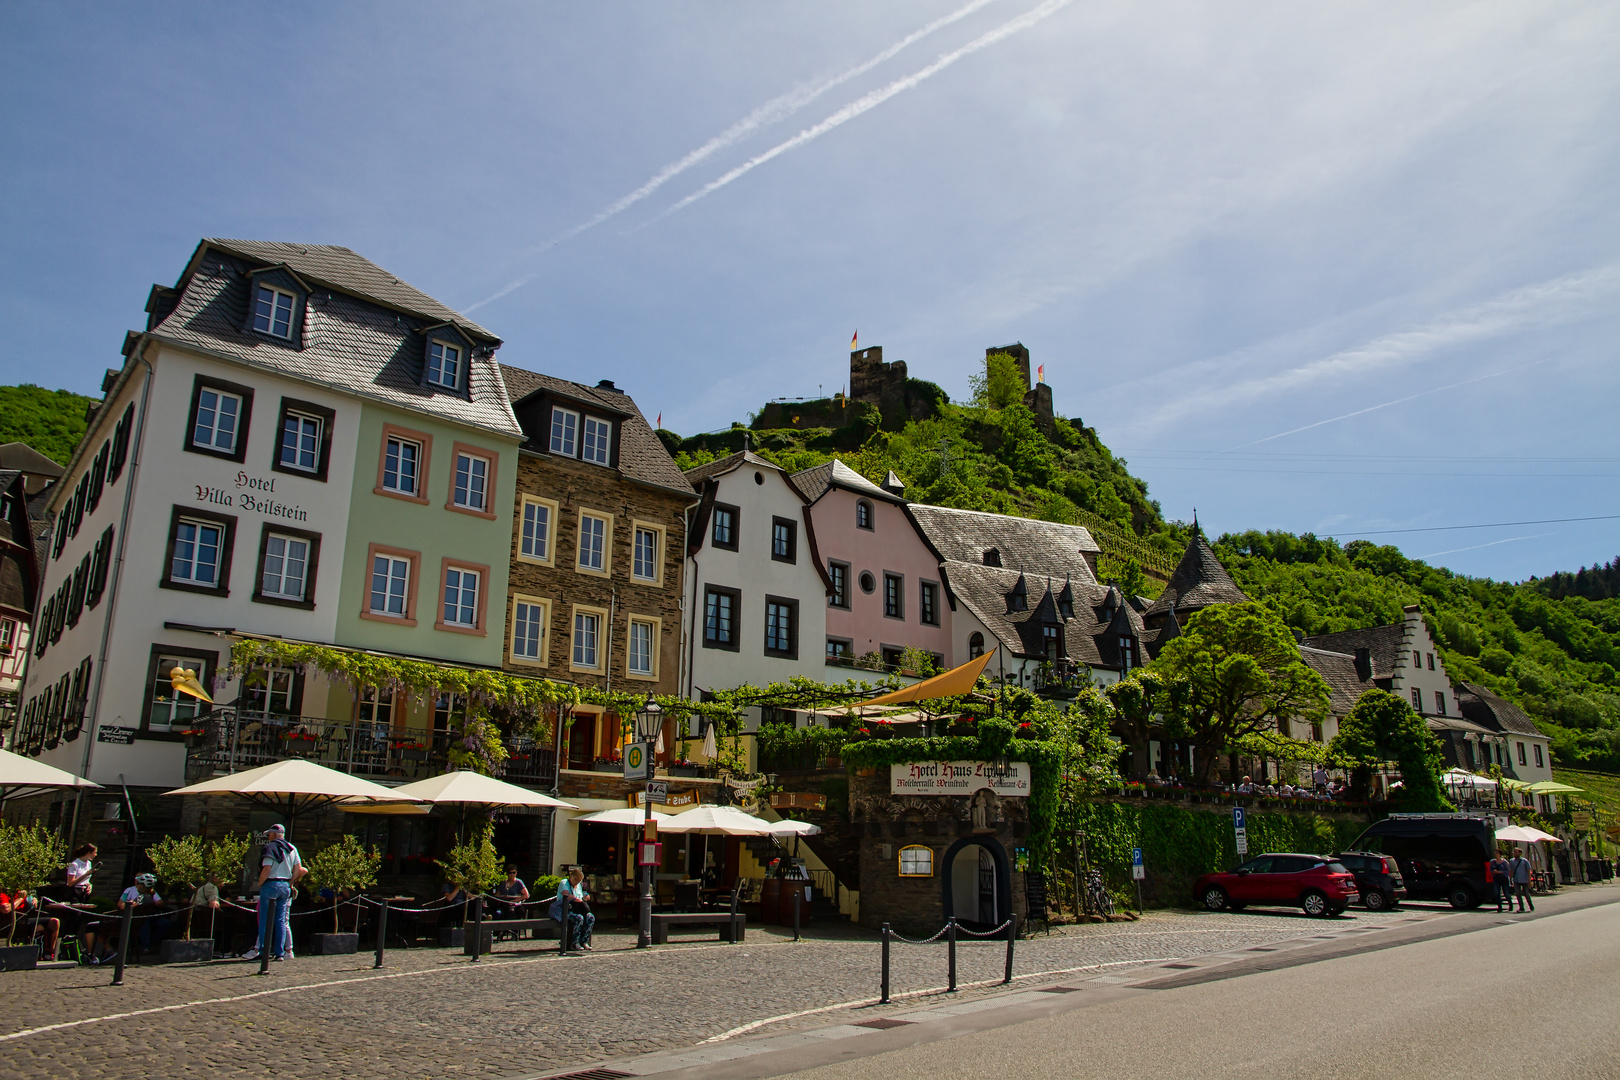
1524 834
474 789
1553 787
1463 778
717 820
624 815
291 787
20 775
789 827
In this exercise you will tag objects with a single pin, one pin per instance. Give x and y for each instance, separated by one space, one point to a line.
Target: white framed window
594 531
646 551
534 543
270 690
8 635
217 421
273 311
300 442
461 597
641 648
166 707
286 563
594 438
390 586
564 431
587 637
472 482
402 466
444 365
916 861
530 619
198 546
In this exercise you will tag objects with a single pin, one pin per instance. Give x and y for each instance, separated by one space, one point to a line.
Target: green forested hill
1558 658
50 421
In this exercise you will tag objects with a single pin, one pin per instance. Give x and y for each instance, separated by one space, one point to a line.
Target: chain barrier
949 932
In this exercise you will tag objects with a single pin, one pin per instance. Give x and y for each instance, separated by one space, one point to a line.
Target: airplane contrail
773 111
1493 543
873 100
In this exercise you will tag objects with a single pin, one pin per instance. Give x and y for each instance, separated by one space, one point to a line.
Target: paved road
1537 998
430 1013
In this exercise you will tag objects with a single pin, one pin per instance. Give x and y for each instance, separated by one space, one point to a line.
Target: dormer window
564 431
1066 608
577 435
444 365
863 514
992 556
593 442
273 311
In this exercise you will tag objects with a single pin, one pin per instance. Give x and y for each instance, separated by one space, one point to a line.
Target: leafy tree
473 864
50 421
1241 673
345 867
29 856
1001 385
225 855
1381 728
180 862
1137 702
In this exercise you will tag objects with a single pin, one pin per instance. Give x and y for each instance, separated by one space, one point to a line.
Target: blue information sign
1237 817
1137 871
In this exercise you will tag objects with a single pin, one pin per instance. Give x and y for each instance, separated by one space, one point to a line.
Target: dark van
1442 856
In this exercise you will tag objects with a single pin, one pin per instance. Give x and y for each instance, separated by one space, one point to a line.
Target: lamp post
649 722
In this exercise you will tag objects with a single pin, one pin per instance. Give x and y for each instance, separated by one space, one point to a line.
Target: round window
759 478
868 582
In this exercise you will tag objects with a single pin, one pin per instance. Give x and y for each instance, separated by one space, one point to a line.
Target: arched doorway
976 882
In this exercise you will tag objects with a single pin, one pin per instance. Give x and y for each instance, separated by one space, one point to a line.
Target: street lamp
649 722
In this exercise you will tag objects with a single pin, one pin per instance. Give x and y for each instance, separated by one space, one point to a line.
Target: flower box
607 766
686 770
413 753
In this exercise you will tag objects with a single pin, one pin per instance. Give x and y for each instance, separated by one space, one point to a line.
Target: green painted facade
432 531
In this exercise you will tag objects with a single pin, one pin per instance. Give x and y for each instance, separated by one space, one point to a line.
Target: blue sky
1332 267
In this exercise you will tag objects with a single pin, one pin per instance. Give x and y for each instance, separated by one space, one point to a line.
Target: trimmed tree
225 855
1240 672
180 863
28 858
473 864
1382 728
342 866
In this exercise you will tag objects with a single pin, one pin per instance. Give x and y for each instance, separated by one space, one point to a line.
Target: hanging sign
649 854
121 736
680 798
959 778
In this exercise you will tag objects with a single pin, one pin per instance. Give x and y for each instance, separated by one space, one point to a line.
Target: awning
953 683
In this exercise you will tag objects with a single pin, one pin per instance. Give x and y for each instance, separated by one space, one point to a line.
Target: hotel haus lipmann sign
959 778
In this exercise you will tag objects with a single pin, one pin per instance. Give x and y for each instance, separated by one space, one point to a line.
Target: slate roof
816 482
1382 642
1338 670
983 590
1040 547
1199 581
721 466
359 332
25 459
1125 621
1456 723
1486 709
642 455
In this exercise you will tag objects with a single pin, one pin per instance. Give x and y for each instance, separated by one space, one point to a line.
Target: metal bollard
565 943
884 1000
123 945
798 896
477 926
950 938
1012 936
382 933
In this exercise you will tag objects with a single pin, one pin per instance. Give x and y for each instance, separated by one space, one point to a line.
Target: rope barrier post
798 896
565 944
382 933
950 949
1012 936
477 926
884 1000
123 944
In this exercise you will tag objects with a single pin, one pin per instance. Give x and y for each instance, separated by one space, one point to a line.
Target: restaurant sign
959 778
679 798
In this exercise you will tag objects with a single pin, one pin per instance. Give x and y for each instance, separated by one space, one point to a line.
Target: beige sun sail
953 683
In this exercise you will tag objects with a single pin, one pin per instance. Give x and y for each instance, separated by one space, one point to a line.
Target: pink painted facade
888 554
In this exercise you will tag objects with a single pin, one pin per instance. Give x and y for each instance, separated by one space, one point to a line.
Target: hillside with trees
50 421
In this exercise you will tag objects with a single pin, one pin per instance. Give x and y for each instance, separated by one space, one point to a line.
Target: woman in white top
79 870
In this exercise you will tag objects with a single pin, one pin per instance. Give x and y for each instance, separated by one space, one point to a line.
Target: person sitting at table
513 892
572 903
25 910
144 892
454 898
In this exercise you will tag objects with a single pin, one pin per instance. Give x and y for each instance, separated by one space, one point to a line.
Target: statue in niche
984 810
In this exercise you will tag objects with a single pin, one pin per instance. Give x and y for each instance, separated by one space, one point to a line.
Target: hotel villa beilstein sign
251 493
959 778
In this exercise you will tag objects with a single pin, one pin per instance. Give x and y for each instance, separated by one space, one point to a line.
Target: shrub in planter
185 951
333 944
343 867
29 856
19 958
179 862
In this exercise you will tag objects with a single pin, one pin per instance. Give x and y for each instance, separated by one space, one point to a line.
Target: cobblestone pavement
432 1013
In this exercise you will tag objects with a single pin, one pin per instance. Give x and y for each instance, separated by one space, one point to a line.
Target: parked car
1318 885
1378 878
1441 856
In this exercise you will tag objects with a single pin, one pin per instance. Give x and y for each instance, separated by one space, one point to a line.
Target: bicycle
1101 901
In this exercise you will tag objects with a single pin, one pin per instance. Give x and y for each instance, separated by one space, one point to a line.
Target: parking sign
1240 831
1138 871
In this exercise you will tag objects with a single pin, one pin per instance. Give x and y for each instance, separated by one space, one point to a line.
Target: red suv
1321 886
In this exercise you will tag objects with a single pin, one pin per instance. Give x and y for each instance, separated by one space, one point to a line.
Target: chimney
1364 664
893 484
607 384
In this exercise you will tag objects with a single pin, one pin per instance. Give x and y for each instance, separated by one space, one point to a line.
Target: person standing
280 868
1502 882
1519 871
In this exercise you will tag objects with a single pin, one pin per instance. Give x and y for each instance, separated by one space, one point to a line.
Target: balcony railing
229 740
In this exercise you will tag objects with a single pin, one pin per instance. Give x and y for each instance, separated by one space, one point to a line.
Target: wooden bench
491 927
732 925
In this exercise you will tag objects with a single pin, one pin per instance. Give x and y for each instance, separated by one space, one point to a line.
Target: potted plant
28 858
474 866
345 868
179 863
603 764
684 768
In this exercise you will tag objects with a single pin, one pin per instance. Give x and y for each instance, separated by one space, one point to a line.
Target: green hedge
1179 843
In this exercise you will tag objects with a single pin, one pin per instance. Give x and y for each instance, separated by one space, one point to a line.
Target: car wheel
1462 897
1315 903
1375 899
1215 898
